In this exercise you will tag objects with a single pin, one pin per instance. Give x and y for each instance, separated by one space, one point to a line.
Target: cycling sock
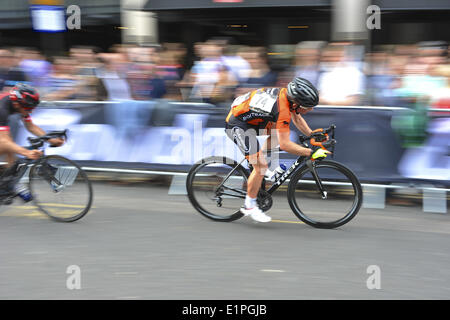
250 202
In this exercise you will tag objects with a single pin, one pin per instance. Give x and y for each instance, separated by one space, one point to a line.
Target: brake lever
330 144
319 136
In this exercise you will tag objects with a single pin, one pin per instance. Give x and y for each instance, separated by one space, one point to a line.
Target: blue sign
48 18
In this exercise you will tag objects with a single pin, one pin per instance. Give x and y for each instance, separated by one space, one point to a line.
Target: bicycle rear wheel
338 206
60 188
217 187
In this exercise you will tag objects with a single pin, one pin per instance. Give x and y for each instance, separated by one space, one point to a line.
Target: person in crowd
112 77
340 83
10 72
142 77
232 58
186 84
63 83
209 78
85 58
260 74
307 58
86 66
170 68
35 66
418 86
419 78
441 97
381 79
169 61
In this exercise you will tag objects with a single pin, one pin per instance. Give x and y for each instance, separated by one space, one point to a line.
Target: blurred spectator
34 64
144 82
187 82
170 68
419 85
419 77
86 66
10 72
441 97
412 76
169 61
340 83
307 58
381 78
120 57
86 61
232 59
62 84
260 74
135 75
210 80
112 78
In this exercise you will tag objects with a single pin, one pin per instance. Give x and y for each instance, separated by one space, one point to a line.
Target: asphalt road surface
138 242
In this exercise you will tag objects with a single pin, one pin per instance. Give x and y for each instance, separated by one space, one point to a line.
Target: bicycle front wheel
60 188
217 187
339 202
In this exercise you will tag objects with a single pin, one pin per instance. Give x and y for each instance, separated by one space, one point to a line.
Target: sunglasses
303 108
295 106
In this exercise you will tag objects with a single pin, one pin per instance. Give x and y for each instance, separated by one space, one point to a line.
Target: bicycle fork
319 184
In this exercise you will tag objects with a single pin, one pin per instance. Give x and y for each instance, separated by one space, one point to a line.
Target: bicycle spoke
327 197
60 188
217 189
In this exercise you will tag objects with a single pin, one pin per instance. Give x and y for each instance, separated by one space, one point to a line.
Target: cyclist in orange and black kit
20 99
269 109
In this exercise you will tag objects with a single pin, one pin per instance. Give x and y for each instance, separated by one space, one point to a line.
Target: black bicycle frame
288 172
286 175
293 168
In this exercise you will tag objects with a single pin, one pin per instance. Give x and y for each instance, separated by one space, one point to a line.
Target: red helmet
25 95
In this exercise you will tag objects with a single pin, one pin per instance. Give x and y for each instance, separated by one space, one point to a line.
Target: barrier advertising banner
163 134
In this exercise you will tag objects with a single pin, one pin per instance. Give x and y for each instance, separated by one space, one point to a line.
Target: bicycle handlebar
37 142
321 139
318 138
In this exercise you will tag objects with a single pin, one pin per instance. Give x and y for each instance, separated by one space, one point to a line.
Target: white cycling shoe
256 214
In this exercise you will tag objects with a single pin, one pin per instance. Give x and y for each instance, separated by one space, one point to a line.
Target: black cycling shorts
244 136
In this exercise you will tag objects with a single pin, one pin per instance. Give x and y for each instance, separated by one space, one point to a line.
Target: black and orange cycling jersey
265 108
6 110
261 109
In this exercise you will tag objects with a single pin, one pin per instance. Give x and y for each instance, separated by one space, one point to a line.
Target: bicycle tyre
329 165
70 178
192 194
